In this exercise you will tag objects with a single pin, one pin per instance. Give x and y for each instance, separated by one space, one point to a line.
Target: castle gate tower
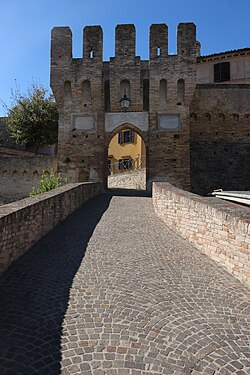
96 99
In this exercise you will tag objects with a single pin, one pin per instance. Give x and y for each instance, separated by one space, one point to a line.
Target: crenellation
186 40
61 45
125 43
158 46
93 43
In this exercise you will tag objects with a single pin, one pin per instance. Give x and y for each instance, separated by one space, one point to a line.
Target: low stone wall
6 151
24 222
18 174
220 229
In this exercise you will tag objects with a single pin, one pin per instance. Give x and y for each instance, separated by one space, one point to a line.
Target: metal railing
127 165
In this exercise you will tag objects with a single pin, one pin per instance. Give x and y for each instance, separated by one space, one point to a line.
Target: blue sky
26 26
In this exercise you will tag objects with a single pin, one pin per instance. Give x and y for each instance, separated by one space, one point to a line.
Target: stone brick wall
169 153
24 222
77 85
220 229
220 138
220 164
19 173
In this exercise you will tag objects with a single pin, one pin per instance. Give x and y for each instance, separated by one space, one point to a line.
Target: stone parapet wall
18 174
24 222
7 151
221 230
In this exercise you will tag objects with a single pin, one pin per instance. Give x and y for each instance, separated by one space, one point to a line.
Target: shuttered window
126 136
222 72
120 138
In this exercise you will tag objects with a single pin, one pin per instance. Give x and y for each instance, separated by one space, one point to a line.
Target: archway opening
126 167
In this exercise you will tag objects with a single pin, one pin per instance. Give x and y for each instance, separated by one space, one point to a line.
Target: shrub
48 182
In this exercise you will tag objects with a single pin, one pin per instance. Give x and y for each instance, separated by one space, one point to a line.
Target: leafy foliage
33 117
48 182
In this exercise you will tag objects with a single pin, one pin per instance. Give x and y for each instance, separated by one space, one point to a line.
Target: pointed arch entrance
126 158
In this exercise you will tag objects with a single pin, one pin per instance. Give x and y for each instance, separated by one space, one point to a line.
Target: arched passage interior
126 159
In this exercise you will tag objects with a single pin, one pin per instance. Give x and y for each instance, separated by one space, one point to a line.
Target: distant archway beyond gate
126 158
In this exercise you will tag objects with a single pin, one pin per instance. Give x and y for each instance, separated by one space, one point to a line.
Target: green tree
33 117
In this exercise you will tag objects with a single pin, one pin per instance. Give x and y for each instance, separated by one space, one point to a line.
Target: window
127 136
222 72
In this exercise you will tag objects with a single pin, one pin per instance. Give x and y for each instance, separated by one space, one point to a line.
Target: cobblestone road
113 291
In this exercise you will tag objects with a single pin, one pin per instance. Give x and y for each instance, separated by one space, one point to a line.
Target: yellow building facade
127 151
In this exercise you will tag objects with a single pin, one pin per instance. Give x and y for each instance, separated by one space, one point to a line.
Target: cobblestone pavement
113 291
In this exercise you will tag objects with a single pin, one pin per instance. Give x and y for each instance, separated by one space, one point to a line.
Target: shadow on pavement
34 294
